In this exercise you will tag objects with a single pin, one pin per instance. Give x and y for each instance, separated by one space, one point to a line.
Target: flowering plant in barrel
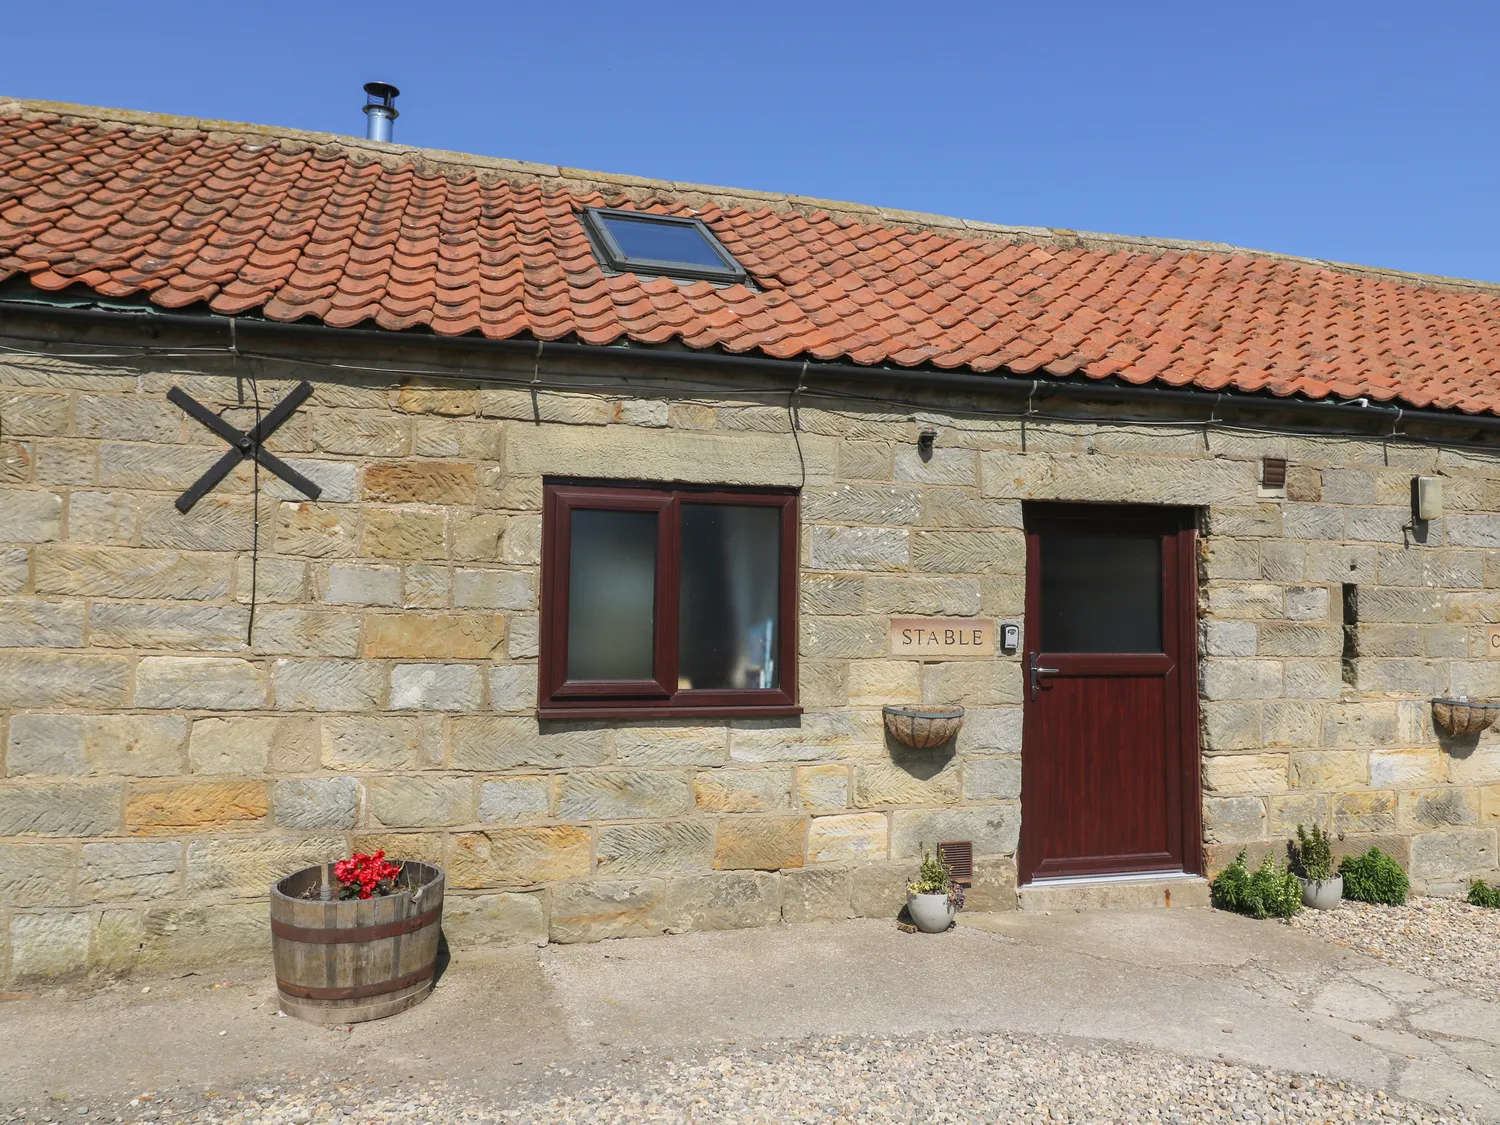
366 876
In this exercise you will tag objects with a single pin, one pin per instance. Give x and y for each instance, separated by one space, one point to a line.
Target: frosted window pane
611 595
731 585
1101 593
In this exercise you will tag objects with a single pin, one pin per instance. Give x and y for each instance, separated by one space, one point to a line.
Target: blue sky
1357 132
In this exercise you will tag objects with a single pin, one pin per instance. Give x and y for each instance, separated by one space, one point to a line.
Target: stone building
625 530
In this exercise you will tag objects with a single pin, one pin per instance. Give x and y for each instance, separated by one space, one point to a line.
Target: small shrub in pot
932 898
1268 892
1312 860
1374 877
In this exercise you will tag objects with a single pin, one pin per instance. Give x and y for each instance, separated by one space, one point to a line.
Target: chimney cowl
380 110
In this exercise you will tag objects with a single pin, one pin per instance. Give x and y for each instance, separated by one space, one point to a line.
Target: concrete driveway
1191 981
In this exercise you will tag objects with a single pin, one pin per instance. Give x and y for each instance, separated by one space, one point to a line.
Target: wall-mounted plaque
942 638
1492 641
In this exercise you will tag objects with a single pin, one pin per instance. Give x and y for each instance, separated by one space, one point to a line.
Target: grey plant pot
932 913
1324 894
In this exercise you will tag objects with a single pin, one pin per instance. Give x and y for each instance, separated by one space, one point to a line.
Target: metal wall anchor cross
246 446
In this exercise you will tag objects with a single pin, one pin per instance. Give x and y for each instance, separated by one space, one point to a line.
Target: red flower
365 876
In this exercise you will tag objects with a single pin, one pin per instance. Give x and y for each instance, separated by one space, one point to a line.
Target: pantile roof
297 226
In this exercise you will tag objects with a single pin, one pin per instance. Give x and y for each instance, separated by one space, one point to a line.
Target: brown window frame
658 697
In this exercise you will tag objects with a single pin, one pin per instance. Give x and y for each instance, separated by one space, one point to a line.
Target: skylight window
666 245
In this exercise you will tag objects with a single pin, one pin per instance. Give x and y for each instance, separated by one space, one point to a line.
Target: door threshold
1125 877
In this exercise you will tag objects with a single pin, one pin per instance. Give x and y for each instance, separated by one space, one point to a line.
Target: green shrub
1312 854
1269 892
1482 894
1374 877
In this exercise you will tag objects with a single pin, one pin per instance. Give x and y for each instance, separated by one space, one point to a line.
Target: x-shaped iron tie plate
246 446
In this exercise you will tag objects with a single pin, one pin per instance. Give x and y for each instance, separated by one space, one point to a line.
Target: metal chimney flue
380 110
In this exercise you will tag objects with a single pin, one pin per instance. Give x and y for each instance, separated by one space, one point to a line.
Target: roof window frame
611 256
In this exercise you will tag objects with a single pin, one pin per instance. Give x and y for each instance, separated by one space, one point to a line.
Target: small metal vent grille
1273 472
959 856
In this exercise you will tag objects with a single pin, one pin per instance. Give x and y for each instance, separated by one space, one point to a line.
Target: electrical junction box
1429 498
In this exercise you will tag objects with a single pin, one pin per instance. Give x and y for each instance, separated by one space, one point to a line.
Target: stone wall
159 773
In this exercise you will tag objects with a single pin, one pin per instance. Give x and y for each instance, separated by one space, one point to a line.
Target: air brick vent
959 856
1273 472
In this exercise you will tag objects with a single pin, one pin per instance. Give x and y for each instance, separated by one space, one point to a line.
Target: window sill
740 711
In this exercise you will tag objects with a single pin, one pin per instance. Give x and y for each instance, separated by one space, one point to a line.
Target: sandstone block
815 894
874 683
36 874
1052 476
1339 562
208 682
491 743
547 406
316 531
327 685
878 890
1313 521
436 400
127 417
811 737
767 843
66 808
404 533
1362 725
1291 723
1244 601
519 856
992 828
1330 769
307 632
1397 603
832 595
37 679
678 455
834 638
132 871
994 885
34 414
425 847
31 515
126 625
1425 809
990 731
1403 769
94 745
316 802
247 868
1312 679
426 586
864 460
515 800
47 947
1288 810
523 638
955 507
66 462
244 745
335 478
971 683
493 589
846 838
858 548
945 466
421 482
743 790
1228 638
685 846
450 636
161 468
723 902
622 794
361 433
1245 774
523 540
275 580
1307 603
953 597
992 779
435 687
480 538
969 552
1489 804
882 505
1454 855
198 806
513 687
36 624
821 683
602 909
508 918
681 744
908 780
1225 678
1365 812
15 567
216 523
223 934
407 801
1229 726
1233 819
642 412
347 584
823 787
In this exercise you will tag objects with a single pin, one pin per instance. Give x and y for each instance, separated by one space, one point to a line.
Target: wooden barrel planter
357 959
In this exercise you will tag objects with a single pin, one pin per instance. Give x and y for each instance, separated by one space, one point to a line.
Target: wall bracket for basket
244 445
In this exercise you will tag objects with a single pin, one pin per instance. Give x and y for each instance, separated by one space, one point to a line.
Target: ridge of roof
640 189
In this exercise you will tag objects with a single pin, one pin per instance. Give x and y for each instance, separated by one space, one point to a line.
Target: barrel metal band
356 991
316 935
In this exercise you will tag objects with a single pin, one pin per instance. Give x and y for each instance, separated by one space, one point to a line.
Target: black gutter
798 372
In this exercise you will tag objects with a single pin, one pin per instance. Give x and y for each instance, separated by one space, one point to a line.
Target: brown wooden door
1109 764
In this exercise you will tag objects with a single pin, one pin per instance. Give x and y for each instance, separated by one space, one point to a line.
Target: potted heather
357 939
1312 859
933 897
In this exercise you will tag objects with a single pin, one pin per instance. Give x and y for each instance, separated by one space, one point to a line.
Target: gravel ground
922 1078
1443 939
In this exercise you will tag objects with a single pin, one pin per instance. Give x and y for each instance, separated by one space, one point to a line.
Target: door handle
1037 670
